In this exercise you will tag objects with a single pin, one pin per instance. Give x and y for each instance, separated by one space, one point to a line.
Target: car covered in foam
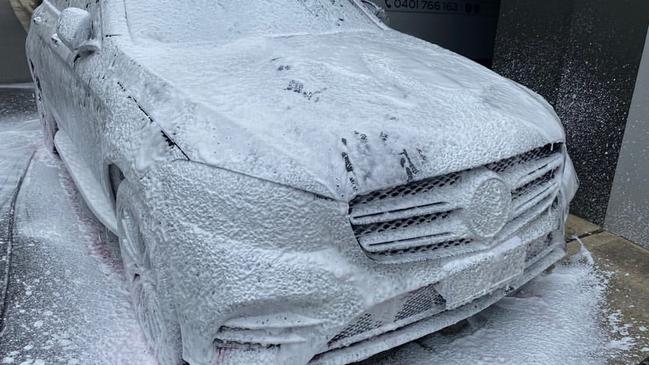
293 182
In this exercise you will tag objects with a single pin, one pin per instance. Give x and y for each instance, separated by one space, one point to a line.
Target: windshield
174 21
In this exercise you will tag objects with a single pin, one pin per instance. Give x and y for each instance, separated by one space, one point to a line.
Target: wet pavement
19 137
67 301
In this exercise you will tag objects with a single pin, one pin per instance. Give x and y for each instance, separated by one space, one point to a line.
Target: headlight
570 182
229 206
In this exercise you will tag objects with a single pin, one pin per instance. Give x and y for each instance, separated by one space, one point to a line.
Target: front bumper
259 272
391 339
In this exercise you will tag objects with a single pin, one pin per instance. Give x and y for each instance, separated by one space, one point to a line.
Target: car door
46 54
70 83
66 78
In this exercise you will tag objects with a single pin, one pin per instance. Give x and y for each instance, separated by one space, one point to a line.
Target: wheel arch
114 176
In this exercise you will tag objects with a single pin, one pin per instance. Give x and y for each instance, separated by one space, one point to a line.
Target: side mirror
378 11
74 29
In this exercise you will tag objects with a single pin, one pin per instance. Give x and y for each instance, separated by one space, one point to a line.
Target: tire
160 329
48 124
49 131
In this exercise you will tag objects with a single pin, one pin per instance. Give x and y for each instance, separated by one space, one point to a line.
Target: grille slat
533 155
396 214
413 236
534 186
533 171
362 230
405 190
410 242
457 245
547 193
426 218
410 232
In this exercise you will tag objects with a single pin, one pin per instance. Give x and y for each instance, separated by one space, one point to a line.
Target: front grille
428 218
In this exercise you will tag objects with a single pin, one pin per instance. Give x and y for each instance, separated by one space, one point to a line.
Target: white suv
293 182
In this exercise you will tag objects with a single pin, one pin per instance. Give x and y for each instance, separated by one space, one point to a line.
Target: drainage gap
8 225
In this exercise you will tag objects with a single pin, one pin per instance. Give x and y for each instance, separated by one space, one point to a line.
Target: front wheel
160 329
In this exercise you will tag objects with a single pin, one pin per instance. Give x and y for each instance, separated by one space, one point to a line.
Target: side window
59 4
62 4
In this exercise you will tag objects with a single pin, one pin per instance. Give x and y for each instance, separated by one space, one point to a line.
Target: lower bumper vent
390 315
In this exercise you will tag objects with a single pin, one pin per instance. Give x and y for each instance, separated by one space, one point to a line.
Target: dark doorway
467 27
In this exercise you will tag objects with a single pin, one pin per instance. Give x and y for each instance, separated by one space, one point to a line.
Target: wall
13 64
583 56
531 43
628 208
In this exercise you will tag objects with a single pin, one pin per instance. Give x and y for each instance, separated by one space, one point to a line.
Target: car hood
339 114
